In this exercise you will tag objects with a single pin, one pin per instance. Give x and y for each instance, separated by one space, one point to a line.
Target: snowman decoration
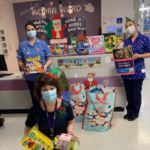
43 11
70 9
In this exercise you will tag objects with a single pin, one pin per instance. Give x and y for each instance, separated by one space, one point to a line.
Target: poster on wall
108 20
76 27
123 61
79 63
96 44
41 33
146 26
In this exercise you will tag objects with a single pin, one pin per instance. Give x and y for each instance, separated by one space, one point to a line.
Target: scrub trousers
133 90
31 88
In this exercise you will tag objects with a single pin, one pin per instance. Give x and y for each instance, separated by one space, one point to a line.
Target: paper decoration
43 11
75 75
79 63
89 8
96 44
70 8
51 4
64 81
108 60
106 82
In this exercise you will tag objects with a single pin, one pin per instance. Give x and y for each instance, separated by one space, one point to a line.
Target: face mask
49 96
90 79
31 34
131 30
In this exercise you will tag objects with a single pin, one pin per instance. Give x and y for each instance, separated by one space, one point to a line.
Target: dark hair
30 23
43 80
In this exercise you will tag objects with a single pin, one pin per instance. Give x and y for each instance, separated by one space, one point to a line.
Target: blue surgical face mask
31 34
49 96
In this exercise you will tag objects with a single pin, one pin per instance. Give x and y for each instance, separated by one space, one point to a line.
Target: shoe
2 120
132 118
127 116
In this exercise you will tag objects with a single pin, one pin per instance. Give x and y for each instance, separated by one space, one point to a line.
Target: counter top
14 76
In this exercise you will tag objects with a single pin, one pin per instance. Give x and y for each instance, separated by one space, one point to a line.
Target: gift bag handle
76 91
101 100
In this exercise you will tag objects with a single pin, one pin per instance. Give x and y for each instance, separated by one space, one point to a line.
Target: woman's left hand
135 56
45 68
71 133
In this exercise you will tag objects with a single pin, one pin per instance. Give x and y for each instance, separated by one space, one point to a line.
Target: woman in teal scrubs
37 51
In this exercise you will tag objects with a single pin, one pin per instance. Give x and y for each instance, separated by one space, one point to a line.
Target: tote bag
99 109
77 100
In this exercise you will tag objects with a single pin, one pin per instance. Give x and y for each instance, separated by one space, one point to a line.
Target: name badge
143 70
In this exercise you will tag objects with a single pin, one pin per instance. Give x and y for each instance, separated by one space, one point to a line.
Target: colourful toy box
36 140
110 43
96 44
71 50
83 48
58 49
66 142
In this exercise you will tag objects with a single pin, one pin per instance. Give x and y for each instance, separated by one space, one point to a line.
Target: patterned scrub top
141 45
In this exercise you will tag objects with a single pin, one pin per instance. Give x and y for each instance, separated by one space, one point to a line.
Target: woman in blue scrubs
33 48
133 83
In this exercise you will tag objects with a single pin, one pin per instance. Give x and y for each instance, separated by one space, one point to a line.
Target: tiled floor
123 135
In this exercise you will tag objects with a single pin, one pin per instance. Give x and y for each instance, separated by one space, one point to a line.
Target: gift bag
77 100
99 109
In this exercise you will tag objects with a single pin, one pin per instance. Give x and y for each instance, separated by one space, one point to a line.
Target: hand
112 58
66 22
135 56
26 72
71 133
45 68
129 46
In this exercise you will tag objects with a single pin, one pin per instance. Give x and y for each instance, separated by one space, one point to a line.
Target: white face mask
90 79
131 30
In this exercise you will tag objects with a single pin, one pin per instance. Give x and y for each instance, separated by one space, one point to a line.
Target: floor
123 135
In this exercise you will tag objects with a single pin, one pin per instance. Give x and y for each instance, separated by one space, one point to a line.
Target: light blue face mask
49 96
31 34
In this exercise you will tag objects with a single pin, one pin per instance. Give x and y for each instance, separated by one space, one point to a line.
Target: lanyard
49 122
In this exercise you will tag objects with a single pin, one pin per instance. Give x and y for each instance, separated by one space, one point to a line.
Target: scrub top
38 50
38 115
141 45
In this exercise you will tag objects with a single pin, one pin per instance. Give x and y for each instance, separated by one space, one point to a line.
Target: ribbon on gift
61 109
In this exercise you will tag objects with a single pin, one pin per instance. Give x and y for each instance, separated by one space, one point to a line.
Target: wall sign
119 20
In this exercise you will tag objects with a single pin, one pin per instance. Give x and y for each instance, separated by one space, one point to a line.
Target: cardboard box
36 140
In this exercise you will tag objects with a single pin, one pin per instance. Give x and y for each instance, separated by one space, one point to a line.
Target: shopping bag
99 109
77 100
65 96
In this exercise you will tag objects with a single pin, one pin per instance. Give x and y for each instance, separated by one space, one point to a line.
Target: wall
10 29
119 8
23 14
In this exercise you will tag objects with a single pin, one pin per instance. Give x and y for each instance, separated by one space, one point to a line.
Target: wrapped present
66 142
71 50
36 140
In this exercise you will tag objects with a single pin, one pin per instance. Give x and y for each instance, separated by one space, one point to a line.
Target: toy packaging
36 140
123 61
83 48
71 50
120 41
99 109
66 142
58 49
96 44
110 43
73 40
34 64
77 100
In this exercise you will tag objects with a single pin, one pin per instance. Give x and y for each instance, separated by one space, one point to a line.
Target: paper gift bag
77 100
99 111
